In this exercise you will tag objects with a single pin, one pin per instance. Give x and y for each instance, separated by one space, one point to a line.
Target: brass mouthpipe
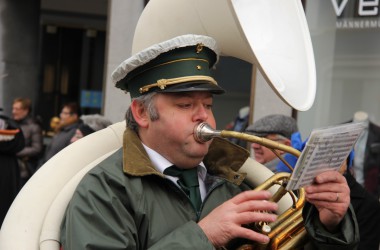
203 133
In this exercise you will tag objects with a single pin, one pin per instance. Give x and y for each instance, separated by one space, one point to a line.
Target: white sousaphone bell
273 34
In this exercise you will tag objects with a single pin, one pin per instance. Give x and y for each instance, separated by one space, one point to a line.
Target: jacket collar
224 158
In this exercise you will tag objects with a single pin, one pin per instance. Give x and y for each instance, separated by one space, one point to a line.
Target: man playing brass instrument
284 128
143 196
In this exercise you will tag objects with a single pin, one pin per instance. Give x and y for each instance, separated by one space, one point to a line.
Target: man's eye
184 105
208 106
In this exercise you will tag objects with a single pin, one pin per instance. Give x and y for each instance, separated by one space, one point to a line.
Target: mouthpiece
203 133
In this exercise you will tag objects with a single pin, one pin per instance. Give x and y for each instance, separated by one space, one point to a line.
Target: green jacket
133 206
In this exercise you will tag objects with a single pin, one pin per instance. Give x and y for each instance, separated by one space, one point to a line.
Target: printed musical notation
326 149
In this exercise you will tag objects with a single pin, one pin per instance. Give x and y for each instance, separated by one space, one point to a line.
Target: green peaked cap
177 65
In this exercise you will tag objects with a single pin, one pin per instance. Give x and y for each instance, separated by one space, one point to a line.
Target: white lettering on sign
357 24
339 8
368 8
365 7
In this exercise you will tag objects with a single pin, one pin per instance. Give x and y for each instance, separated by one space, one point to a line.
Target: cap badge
162 83
199 47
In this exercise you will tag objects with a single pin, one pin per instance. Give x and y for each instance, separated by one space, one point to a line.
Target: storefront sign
356 14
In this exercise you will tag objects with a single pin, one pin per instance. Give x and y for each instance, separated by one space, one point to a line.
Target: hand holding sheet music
326 149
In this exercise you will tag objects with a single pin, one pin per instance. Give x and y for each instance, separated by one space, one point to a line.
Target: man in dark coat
367 210
11 142
69 122
30 155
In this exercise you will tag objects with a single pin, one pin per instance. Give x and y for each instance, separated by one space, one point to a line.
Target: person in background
69 122
276 127
28 157
11 142
365 205
165 190
90 124
53 126
239 125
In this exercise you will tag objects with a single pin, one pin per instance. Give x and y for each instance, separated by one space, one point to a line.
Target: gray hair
148 102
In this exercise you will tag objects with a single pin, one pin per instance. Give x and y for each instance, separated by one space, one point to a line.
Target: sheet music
326 149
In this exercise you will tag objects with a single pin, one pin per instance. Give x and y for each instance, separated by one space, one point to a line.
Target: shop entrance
71 69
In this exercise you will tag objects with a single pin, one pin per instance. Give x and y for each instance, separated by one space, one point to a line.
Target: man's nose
201 113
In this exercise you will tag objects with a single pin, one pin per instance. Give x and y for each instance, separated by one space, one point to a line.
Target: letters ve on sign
365 8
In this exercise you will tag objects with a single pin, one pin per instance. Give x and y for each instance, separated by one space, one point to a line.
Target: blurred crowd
25 146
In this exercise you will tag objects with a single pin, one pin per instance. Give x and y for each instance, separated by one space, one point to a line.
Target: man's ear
140 113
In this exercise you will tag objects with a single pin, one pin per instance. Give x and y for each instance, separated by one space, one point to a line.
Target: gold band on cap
174 61
162 83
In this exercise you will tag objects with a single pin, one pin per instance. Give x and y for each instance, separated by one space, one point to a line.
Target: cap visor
193 86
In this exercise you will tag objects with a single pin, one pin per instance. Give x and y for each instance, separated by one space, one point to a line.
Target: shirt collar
161 163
